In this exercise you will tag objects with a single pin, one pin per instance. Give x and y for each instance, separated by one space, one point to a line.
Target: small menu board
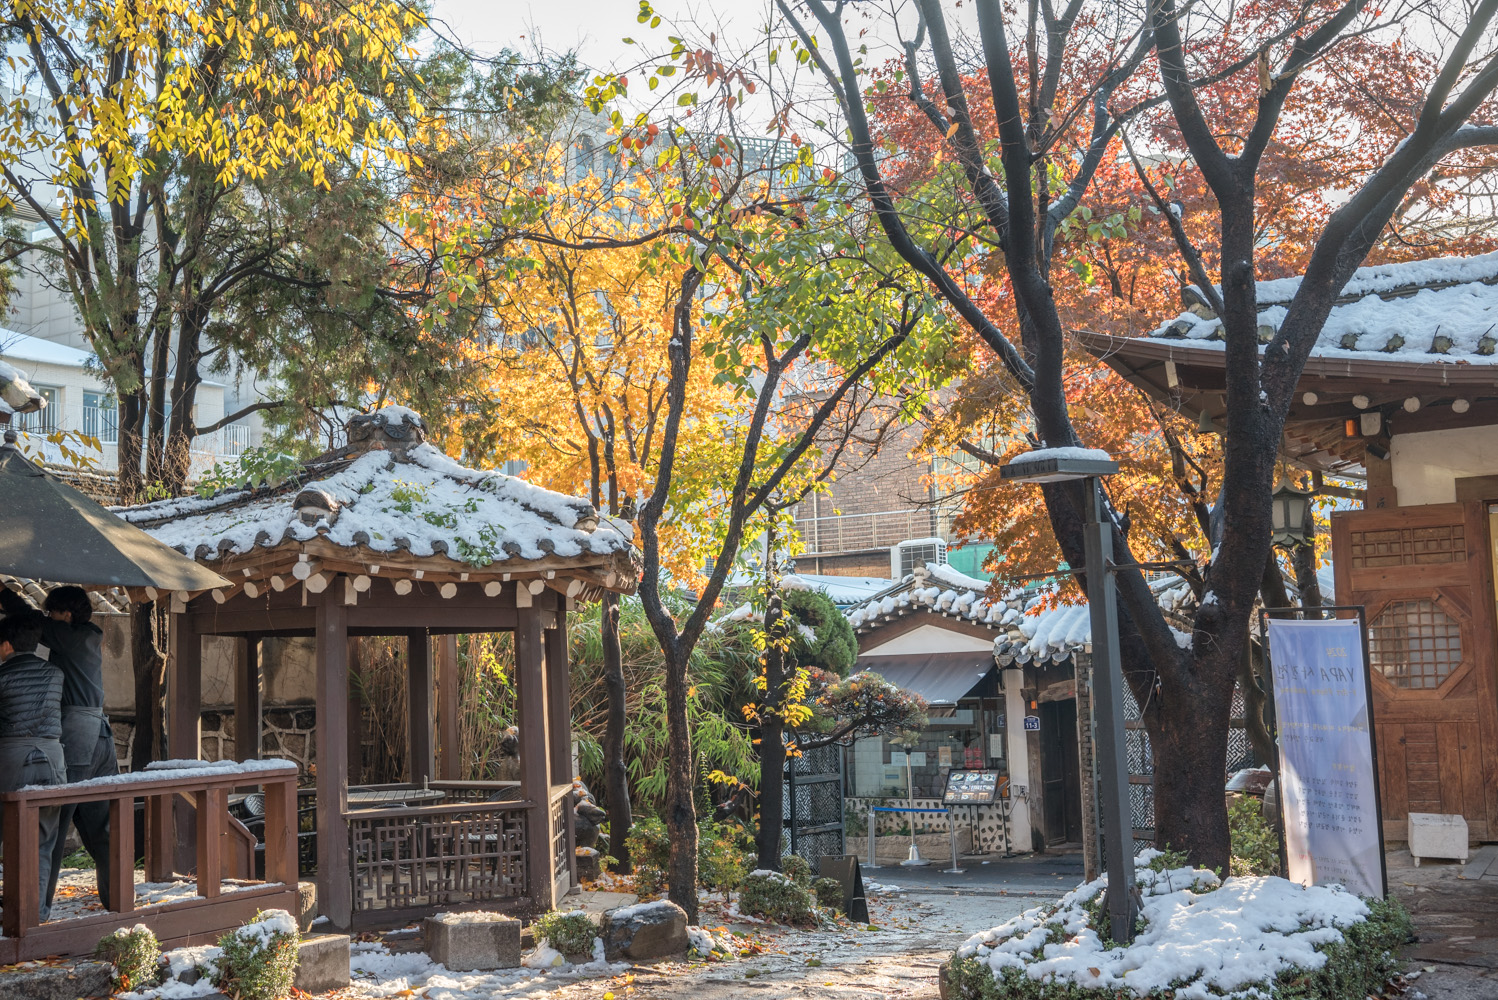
971 787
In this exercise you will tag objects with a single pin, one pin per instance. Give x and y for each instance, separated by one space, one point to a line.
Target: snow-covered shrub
135 953
798 868
773 896
1255 846
829 892
569 933
1249 938
258 961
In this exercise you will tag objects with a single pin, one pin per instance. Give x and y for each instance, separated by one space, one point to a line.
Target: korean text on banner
1326 754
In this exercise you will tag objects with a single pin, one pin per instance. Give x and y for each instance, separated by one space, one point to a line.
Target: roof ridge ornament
395 429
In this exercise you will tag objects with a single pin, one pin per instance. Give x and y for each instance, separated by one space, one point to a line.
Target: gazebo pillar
559 723
535 757
248 706
419 705
170 842
450 761
334 879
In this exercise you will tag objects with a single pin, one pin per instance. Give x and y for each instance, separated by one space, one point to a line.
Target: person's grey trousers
27 761
88 747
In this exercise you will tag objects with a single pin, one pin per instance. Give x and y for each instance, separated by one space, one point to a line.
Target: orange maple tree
1119 272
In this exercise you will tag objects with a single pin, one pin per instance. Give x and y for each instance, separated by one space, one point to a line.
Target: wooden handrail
443 810
57 795
207 791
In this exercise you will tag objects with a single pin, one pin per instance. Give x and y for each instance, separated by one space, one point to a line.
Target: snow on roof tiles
1427 311
1053 634
16 394
390 491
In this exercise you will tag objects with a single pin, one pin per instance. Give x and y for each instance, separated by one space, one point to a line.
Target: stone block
322 963
473 941
306 900
63 982
1437 835
644 932
588 867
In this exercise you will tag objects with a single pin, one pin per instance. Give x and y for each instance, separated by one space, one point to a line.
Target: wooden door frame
1424 577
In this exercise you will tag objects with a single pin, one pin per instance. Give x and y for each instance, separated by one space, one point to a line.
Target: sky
595 27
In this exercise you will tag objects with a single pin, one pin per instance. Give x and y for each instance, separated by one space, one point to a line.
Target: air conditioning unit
913 552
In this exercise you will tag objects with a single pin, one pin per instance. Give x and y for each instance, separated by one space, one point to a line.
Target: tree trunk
1189 738
131 444
615 774
771 740
150 681
680 807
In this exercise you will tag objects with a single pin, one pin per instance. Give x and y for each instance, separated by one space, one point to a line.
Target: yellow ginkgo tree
170 153
135 129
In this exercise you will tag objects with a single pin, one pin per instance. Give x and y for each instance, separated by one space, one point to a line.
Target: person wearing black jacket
74 645
31 727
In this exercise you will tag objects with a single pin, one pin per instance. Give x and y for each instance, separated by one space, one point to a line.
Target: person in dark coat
31 727
74 642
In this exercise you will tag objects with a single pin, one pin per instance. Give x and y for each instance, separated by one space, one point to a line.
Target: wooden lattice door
1425 576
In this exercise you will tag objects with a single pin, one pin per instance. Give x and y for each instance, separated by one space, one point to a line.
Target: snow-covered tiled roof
943 590
390 492
1052 635
1427 311
16 394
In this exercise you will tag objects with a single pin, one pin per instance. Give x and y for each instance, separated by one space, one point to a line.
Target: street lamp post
1107 673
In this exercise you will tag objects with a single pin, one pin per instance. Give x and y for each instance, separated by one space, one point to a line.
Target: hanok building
1401 391
1007 684
387 536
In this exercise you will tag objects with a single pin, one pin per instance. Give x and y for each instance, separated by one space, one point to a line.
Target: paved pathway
1454 908
918 927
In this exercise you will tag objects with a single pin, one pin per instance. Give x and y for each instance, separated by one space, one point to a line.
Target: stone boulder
644 932
66 982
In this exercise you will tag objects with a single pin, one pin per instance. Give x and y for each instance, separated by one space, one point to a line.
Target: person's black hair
23 630
73 600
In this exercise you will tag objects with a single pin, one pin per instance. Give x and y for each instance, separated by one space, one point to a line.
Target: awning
939 678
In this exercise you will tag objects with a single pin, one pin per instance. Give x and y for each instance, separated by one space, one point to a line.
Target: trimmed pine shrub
1317 943
776 897
798 868
258 961
135 954
569 933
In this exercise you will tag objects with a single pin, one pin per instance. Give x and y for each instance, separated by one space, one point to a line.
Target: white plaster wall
930 639
1019 756
1427 464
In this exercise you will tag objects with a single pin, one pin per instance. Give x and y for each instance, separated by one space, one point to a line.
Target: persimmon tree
1026 174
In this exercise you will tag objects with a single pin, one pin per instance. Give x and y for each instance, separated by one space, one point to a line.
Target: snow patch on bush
1202 937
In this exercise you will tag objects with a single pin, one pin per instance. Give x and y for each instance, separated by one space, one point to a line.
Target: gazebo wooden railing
471 849
218 843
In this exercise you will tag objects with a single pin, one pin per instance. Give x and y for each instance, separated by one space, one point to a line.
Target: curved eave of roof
1123 352
390 504
934 595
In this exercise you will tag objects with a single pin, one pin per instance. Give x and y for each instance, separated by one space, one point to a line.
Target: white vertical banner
1327 781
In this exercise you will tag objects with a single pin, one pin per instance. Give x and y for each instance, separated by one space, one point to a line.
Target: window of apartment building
101 416
44 421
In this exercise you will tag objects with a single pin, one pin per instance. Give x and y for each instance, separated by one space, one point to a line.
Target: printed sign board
943 756
1032 723
970 787
1330 793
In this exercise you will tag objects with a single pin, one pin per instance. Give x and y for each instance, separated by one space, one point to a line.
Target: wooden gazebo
388 536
